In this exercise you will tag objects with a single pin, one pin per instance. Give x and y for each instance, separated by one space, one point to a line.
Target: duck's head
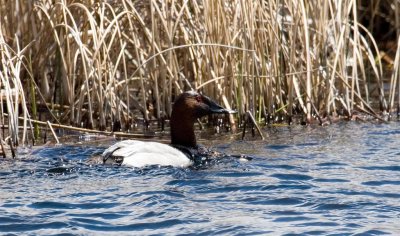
196 105
188 107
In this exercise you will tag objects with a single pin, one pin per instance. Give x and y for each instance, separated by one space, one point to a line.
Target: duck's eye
199 99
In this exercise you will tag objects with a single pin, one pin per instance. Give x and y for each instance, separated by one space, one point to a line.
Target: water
338 180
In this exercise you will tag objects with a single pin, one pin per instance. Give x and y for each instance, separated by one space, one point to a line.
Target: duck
183 149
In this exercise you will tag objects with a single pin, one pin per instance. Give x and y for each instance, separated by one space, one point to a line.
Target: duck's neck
182 131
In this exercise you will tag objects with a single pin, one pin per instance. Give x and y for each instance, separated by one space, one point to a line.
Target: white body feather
139 154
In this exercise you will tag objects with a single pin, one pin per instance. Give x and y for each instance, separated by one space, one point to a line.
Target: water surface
338 180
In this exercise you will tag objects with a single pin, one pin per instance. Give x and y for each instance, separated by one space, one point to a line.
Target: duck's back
139 154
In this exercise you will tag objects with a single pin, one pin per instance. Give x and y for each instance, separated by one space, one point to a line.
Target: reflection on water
342 179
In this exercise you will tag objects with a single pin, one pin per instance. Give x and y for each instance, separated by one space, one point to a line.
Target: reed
107 65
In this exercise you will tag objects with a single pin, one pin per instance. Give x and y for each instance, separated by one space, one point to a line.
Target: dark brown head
187 108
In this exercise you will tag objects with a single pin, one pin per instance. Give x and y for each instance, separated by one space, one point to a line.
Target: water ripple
382 182
336 180
130 227
23 227
390 168
292 176
59 205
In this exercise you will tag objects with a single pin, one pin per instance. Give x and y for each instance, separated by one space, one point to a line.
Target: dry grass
106 64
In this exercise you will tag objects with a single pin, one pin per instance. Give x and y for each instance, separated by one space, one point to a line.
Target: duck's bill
215 108
223 111
228 111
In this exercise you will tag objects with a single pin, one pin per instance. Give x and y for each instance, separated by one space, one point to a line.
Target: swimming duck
187 108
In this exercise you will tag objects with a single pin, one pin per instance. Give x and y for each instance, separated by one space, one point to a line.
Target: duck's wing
139 154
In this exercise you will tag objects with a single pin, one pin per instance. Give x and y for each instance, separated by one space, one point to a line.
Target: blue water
343 179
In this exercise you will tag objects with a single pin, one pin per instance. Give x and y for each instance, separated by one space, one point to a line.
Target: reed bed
107 65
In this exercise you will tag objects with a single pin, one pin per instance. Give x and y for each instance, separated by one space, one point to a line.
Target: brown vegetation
106 64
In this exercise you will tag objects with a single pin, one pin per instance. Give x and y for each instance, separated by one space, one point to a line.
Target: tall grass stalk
110 64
